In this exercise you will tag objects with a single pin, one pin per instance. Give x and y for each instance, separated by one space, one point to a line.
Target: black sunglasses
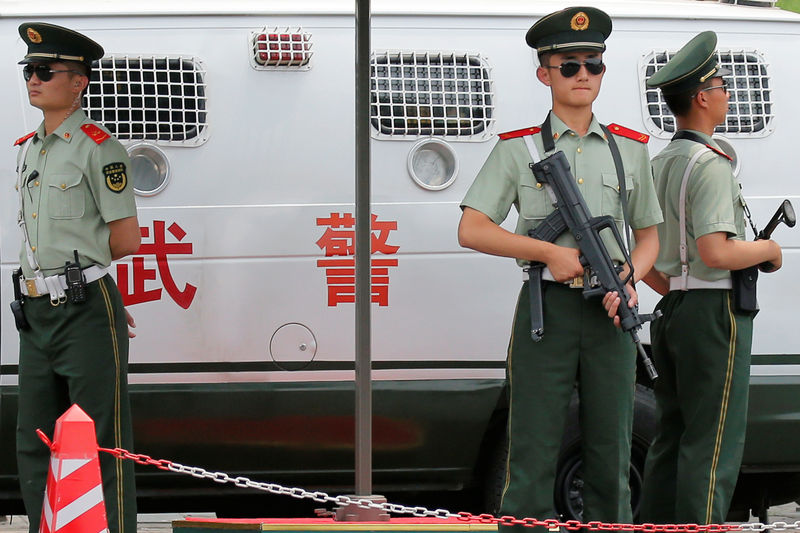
43 72
594 66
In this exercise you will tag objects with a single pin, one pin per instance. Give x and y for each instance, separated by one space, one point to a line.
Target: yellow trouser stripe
117 414
723 412
510 404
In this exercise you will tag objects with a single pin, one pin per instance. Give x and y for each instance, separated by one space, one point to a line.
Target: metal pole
363 367
363 233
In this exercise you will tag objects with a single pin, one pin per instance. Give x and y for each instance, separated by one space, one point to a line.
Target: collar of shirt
68 129
560 129
707 139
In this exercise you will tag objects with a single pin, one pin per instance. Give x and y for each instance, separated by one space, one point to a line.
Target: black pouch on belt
744 289
16 306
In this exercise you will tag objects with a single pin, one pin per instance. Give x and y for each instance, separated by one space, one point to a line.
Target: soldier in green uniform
580 341
77 214
701 345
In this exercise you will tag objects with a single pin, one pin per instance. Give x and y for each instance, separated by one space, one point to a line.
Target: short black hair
681 103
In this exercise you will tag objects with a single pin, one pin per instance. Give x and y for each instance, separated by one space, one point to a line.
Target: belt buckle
30 284
576 282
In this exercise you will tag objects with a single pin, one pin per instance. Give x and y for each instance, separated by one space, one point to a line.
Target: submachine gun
602 274
785 214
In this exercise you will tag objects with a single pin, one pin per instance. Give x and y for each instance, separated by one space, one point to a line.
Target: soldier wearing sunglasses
702 343
78 214
581 343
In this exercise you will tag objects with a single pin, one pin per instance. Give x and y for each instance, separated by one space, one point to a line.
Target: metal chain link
422 512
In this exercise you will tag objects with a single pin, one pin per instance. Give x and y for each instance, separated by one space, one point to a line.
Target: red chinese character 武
338 242
160 249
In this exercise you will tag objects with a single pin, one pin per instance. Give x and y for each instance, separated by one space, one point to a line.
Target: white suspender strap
21 213
682 210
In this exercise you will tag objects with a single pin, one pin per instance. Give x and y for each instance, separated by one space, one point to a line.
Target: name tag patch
116 177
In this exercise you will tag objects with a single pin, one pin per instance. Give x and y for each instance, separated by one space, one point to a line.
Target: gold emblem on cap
708 74
34 36
579 21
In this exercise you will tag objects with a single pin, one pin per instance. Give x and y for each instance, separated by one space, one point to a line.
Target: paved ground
161 523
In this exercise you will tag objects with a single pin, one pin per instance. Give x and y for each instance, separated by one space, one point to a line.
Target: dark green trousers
702 350
76 353
580 343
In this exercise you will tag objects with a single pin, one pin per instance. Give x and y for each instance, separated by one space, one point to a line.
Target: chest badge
116 177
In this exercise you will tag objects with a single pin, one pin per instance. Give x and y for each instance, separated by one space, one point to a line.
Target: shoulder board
622 131
95 133
520 133
720 152
25 138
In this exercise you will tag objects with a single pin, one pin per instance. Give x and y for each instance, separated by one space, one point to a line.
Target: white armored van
239 119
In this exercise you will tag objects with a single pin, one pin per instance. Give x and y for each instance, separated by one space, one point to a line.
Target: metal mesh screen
282 49
160 99
447 94
750 110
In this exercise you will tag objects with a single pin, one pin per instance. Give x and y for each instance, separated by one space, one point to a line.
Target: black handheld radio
75 282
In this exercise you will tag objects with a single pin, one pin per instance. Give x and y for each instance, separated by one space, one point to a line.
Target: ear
702 100
543 75
80 83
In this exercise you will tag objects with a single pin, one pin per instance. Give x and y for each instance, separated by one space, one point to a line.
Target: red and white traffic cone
73 499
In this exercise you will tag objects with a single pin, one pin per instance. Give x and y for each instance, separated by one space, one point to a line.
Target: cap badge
579 21
709 73
34 36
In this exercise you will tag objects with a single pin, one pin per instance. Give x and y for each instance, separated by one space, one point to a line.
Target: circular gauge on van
432 164
727 147
149 169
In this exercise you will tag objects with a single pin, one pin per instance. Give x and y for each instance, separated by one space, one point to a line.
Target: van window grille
750 109
446 94
159 99
281 49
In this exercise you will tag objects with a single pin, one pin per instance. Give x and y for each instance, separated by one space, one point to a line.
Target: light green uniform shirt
81 186
506 180
714 203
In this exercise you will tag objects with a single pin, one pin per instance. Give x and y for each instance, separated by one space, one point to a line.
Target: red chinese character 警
339 241
160 249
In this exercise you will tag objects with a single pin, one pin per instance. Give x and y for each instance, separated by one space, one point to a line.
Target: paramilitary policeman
580 342
702 343
77 214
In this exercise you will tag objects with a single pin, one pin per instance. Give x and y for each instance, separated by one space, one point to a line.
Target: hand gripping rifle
600 272
785 214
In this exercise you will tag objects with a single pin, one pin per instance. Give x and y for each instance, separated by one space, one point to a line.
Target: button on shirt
714 203
69 205
506 180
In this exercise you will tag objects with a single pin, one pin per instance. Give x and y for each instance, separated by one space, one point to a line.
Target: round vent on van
432 164
292 346
149 169
727 147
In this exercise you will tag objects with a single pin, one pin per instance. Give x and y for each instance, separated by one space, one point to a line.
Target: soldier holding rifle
706 271
580 342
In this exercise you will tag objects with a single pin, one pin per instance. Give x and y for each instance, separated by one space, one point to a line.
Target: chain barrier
551 524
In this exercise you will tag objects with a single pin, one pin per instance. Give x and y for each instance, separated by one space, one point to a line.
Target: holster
17 305
744 284
535 289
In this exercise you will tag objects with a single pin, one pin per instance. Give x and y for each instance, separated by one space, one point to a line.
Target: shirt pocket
534 201
612 204
65 197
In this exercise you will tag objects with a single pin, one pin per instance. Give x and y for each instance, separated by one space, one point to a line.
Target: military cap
691 66
48 42
573 28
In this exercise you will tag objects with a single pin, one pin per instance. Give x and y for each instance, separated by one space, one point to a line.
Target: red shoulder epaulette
95 133
520 133
628 133
25 138
720 152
